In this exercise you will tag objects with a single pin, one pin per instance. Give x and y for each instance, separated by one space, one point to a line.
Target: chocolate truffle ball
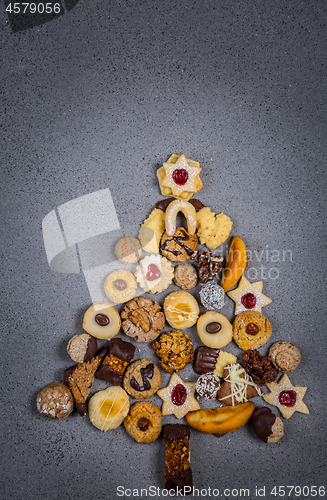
212 296
208 385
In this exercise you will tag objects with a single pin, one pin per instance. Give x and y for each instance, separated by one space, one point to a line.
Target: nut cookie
174 350
185 276
285 356
142 319
142 379
55 401
251 330
180 246
144 422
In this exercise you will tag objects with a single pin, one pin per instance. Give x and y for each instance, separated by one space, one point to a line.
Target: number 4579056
33 8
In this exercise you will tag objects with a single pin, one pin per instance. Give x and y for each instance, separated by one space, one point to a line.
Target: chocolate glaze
81 408
178 240
146 373
171 432
123 350
205 360
163 204
178 483
91 349
263 419
197 204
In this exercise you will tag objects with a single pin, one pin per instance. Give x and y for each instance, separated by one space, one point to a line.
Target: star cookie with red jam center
178 397
248 296
287 397
179 177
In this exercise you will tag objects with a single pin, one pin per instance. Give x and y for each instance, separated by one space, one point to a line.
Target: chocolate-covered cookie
120 354
267 426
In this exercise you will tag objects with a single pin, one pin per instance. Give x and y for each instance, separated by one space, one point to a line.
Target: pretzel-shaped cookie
171 213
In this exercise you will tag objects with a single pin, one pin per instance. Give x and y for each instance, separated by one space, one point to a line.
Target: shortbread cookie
287 397
142 379
154 273
107 409
142 319
251 330
178 397
213 230
152 230
144 422
248 296
180 246
181 310
285 356
101 320
174 350
214 329
120 286
238 386
179 177
128 250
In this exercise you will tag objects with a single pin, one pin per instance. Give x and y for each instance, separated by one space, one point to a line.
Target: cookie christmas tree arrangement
171 251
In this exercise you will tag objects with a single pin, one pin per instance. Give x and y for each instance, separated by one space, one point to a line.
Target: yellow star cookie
287 397
248 296
178 397
179 177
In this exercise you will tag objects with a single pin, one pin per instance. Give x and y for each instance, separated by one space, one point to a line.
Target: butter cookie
144 422
142 379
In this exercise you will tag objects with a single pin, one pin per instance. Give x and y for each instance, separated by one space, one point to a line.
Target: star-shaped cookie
287 397
178 397
179 177
248 296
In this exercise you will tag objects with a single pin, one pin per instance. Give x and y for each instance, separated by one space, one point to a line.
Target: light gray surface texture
100 98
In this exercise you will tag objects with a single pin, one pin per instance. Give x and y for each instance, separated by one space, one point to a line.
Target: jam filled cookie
120 286
180 246
251 330
214 329
174 350
102 320
142 379
128 250
55 401
144 422
287 397
248 296
178 397
108 408
181 310
154 274
142 319
179 177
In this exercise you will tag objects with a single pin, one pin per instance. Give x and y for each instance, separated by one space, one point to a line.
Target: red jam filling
179 395
287 398
249 300
180 176
153 272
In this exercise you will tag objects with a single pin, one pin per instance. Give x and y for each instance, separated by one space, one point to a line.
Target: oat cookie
142 379
120 286
142 319
174 350
128 250
251 330
180 246
144 422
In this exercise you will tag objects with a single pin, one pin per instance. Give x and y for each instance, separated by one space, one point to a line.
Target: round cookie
251 330
180 246
174 350
102 320
144 422
185 276
108 408
154 273
128 250
181 310
142 379
214 329
55 401
142 319
120 286
212 296
82 348
285 356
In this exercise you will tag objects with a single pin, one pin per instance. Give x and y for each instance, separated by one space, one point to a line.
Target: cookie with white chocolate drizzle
238 386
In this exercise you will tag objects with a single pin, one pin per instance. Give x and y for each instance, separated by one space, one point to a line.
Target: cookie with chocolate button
120 286
144 422
142 379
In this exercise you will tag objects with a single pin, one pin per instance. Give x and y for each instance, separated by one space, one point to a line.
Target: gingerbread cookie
154 273
120 286
174 350
142 319
142 379
144 422
238 386
251 330
180 246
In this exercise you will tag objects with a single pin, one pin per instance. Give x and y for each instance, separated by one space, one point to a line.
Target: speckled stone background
99 98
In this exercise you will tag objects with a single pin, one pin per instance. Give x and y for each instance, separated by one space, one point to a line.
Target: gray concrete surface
99 98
